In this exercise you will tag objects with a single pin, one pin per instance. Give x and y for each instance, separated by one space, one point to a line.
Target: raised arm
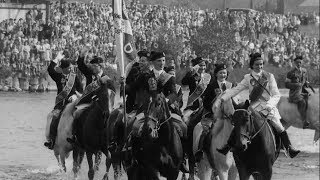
229 93
274 91
52 72
81 64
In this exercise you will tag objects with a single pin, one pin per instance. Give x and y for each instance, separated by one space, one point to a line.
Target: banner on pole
124 36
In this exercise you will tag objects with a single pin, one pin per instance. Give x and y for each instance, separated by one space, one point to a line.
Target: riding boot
226 148
287 144
199 154
302 108
53 131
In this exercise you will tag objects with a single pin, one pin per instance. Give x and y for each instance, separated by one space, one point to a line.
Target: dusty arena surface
23 156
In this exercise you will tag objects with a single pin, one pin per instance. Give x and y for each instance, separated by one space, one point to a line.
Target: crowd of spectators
28 44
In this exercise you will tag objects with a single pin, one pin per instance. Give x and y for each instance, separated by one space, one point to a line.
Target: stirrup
306 124
49 144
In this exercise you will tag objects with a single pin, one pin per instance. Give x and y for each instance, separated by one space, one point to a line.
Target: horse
62 148
94 131
290 115
157 149
256 146
219 133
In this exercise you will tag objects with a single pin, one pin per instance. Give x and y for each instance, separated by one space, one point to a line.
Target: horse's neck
97 116
221 131
165 132
264 133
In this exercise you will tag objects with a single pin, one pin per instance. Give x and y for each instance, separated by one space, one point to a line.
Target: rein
249 137
154 119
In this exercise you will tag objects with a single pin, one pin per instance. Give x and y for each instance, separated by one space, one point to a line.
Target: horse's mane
222 109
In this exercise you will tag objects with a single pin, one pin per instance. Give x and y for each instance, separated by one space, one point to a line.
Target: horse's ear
246 104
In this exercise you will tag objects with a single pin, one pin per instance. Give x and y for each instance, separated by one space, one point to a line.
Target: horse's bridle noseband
251 137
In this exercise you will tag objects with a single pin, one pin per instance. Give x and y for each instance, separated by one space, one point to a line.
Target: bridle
158 123
252 129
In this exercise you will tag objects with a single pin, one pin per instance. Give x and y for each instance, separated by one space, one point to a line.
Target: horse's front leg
97 160
108 164
90 164
116 164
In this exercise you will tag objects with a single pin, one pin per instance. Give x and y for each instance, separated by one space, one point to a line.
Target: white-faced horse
220 132
291 116
62 148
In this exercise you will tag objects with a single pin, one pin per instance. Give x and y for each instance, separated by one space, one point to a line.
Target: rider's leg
205 130
180 124
76 127
302 107
53 129
275 122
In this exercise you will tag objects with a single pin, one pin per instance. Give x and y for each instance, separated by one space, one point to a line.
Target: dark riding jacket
296 82
61 80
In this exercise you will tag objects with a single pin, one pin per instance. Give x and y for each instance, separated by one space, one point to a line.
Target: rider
67 84
133 72
216 86
264 97
297 82
93 73
197 80
178 100
165 84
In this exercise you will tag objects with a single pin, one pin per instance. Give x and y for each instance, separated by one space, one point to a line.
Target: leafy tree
215 37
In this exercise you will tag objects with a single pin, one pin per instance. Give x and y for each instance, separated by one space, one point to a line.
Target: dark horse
157 149
93 129
256 147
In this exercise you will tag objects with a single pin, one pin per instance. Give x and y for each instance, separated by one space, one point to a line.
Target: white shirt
157 73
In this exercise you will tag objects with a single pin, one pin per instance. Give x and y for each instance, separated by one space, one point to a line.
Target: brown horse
157 149
94 126
256 146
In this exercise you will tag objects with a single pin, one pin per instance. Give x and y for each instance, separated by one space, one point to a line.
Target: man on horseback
93 73
179 96
216 86
297 82
67 84
164 83
133 72
264 97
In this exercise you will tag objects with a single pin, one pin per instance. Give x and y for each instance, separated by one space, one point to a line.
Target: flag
124 35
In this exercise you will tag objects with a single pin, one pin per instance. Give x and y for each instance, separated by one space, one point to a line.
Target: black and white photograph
159 90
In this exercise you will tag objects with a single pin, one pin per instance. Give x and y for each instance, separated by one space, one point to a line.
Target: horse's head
156 113
105 95
243 128
222 110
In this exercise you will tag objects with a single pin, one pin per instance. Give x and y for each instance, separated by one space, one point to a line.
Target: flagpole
119 44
